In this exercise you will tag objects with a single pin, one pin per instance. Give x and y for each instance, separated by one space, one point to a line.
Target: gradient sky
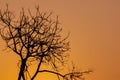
95 35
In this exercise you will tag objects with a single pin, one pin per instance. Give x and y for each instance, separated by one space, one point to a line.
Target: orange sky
95 35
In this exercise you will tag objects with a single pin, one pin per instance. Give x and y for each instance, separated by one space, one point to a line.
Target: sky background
94 27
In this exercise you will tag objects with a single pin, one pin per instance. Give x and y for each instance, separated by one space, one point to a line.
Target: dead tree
36 38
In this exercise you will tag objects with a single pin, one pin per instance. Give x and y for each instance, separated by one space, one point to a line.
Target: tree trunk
22 68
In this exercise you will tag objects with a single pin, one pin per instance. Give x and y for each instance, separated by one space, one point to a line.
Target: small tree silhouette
36 38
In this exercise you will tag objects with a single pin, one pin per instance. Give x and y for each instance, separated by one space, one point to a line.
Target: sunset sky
94 27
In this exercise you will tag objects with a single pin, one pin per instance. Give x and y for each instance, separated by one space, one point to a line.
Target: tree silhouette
36 38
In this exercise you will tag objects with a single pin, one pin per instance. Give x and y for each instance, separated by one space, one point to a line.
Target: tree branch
71 74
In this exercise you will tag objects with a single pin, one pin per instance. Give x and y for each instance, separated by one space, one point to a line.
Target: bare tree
36 38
